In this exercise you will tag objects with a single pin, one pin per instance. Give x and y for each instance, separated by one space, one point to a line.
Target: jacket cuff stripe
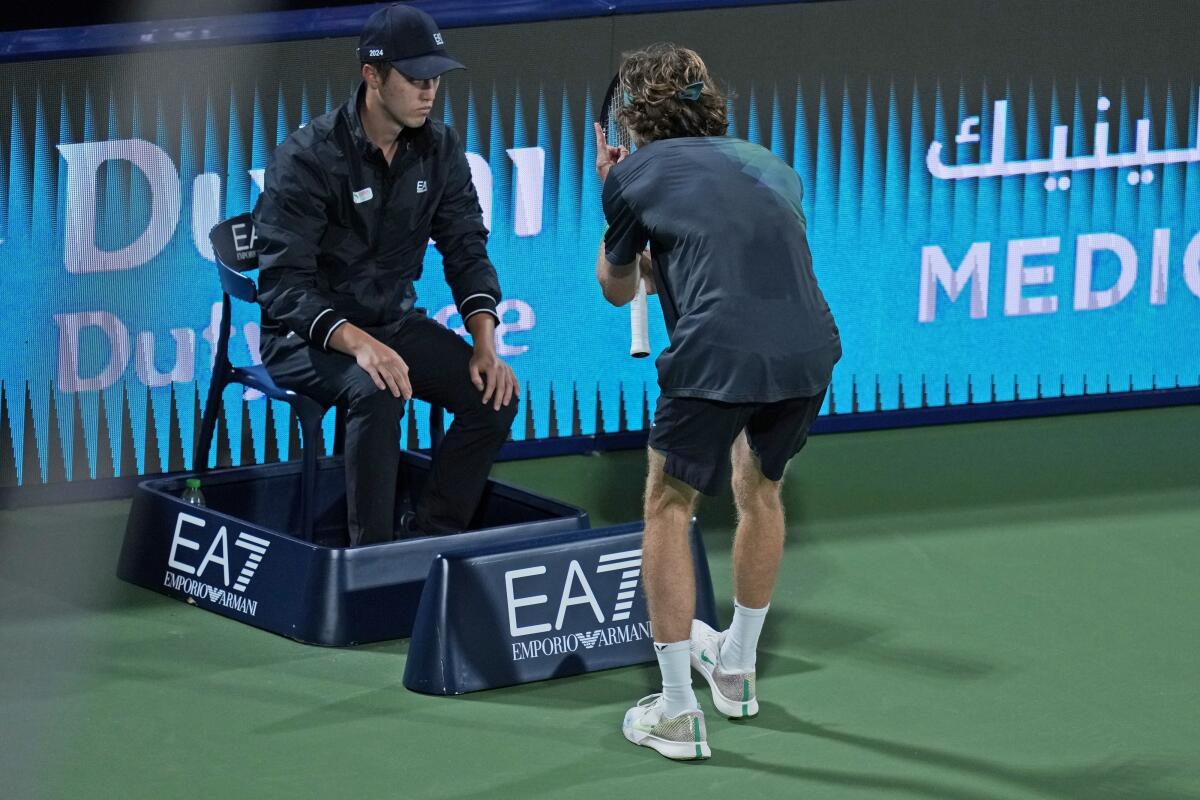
322 326
312 329
480 301
332 328
481 311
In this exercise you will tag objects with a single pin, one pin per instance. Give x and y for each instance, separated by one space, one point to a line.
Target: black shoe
406 526
410 527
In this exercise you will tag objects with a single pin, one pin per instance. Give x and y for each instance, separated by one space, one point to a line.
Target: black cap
409 39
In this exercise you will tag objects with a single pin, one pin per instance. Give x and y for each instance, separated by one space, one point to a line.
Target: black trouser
438 370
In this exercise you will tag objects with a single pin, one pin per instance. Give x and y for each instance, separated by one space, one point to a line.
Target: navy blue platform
518 612
236 557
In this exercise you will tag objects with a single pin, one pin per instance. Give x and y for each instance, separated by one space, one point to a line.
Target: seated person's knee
373 400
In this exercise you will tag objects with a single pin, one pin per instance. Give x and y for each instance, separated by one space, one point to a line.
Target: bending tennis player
752 349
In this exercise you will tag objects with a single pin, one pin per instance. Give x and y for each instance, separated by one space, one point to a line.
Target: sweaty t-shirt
722 217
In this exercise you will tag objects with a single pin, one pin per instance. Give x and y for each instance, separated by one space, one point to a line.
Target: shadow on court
960 776
1114 778
858 639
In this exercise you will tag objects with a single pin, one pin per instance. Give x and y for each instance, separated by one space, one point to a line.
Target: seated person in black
350 202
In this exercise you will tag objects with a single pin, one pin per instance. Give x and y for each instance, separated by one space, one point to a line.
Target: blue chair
233 244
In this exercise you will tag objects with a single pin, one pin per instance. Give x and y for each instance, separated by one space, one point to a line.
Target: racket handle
639 324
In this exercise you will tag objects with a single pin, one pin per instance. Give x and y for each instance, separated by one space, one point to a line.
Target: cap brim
428 66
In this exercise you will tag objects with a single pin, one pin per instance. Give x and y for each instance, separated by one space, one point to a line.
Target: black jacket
342 235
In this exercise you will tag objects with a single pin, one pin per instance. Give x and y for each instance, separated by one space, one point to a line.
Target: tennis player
751 353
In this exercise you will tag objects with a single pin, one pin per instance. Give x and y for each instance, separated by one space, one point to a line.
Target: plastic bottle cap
193 483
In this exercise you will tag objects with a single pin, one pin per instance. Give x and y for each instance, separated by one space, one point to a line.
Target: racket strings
616 133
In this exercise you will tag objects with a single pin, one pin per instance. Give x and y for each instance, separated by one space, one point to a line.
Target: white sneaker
682 738
733 692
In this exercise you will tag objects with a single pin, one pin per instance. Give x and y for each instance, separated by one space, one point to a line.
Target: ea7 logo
576 591
437 39
217 553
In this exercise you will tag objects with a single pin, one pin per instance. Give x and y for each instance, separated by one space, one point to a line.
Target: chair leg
311 426
211 408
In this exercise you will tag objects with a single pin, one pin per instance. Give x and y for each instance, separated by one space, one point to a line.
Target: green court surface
998 610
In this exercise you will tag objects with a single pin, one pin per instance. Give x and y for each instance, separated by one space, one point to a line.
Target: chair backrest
236 247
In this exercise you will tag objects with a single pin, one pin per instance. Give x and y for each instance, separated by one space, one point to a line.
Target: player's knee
668 496
662 504
756 493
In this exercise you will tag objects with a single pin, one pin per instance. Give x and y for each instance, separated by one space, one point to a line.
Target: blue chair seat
256 376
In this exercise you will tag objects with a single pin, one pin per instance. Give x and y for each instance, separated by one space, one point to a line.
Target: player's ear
370 76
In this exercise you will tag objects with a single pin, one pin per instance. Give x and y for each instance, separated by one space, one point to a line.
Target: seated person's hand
493 377
385 366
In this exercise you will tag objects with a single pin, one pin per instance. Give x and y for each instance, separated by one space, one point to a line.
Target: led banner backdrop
994 215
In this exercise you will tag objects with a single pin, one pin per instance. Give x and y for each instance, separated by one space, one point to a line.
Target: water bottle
192 494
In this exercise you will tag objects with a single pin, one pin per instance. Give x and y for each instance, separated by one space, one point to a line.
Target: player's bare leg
726 659
667 554
672 722
758 542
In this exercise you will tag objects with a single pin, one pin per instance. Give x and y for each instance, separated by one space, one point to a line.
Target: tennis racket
618 136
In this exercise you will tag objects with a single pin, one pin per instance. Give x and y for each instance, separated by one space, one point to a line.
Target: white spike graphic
629 564
257 547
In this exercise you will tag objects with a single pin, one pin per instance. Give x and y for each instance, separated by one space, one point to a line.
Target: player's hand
646 269
607 156
385 366
493 377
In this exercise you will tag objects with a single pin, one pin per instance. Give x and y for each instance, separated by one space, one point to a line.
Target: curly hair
655 81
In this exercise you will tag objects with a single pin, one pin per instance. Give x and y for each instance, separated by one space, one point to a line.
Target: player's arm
618 263
646 267
618 282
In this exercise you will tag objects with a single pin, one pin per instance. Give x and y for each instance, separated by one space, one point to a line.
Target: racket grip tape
639 324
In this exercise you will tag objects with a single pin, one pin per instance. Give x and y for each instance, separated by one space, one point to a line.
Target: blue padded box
526 611
233 556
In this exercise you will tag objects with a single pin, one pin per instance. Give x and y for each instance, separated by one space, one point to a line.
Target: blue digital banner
979 239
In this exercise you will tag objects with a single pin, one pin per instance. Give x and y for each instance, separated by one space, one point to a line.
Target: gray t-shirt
746 319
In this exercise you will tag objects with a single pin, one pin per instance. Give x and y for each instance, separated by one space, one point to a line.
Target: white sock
740 647
675 663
